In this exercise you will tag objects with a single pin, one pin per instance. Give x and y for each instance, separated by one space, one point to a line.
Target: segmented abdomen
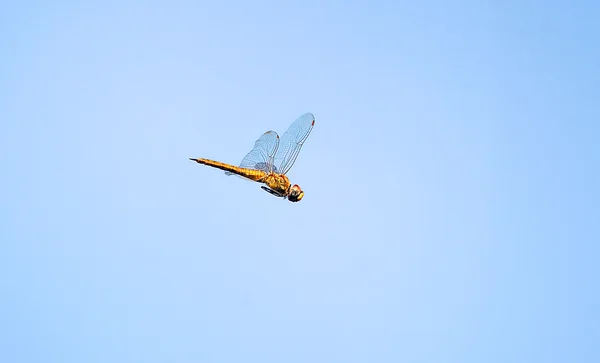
251 174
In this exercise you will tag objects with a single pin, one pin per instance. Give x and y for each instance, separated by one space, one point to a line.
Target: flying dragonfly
271 158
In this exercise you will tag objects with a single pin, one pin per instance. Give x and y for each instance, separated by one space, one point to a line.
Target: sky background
451 209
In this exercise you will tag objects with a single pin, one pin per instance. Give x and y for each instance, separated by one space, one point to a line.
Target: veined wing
261 157
291 142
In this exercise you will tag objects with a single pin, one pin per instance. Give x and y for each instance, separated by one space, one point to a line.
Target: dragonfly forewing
291 142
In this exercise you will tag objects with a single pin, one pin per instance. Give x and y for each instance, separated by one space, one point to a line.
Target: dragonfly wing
262 156
291 142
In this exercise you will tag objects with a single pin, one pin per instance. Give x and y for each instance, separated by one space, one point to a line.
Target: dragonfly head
296 194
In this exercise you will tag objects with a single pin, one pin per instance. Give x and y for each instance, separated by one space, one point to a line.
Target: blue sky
451 206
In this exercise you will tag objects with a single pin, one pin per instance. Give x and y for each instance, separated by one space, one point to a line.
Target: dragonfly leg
272 192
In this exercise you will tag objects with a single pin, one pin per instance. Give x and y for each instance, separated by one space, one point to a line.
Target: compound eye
296 194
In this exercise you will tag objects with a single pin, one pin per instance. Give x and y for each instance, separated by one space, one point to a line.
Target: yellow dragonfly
271 158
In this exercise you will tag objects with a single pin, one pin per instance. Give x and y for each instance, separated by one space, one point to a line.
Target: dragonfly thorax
278 182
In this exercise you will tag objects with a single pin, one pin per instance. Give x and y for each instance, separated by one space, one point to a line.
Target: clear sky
451 209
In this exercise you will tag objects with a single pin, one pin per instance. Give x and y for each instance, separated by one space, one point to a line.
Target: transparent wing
261 157
291 142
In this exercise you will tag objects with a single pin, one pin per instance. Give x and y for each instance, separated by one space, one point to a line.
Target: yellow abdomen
251 174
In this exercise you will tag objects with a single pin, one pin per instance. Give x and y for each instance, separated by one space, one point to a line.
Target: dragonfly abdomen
251 174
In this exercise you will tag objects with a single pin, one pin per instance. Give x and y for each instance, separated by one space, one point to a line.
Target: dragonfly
271 159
